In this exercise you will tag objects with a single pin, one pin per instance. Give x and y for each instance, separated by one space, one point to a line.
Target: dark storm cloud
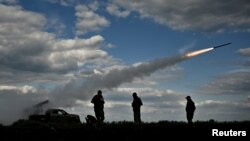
212 16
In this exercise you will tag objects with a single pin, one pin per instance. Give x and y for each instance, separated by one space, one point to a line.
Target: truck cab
56 115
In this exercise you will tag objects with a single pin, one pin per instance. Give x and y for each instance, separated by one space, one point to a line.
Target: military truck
56 115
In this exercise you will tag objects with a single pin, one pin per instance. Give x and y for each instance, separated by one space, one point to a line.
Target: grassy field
30 130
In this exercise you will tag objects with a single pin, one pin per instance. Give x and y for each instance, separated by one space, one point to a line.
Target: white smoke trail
82 89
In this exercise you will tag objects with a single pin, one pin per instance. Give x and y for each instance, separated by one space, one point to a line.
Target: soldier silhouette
136 104
190 108
98 102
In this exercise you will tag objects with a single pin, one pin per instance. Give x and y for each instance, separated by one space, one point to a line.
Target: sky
65 50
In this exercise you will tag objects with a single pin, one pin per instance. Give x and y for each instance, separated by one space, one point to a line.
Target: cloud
169 105
15 20
23 89
31 58
63 2
187 47
245 52
56 26
17 78
114 10
73 59
88 20
145 91
164 76
156 103
222 110
231 83
33 61
84 88
9 1
215 16
235 82
94 5
69 44
22 42
26 47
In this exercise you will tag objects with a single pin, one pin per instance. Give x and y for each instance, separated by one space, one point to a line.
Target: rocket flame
198 52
